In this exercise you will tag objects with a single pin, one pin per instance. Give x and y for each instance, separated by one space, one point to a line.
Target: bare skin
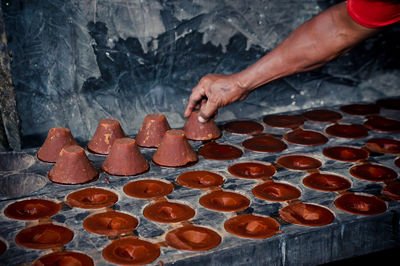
325 37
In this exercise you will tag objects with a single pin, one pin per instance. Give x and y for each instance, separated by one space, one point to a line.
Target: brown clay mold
57 138
110 223
193 238
383 145
44 236
397 162
306 214
298 162
92 198
361 109
152 131
322 115
247 127
252 226
225 201
168 212
106 133
347 131
125 159
326 182
373 172
284 121
346 153
220 152
252 170
305 137
131 251
392 190
194 130
264 144
362 204
72 167
200 179
148 188
382 124
174 150
32 209
65 258
276 191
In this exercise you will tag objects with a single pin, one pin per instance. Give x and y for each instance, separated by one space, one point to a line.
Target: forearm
318 41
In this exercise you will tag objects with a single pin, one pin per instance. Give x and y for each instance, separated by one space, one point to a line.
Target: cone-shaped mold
125 159
72 167
174 150
106 133
195 130
152 131
57 138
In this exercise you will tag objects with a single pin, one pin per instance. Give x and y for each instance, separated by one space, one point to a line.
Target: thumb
207 110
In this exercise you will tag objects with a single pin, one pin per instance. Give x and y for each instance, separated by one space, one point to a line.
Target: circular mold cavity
225 201
244 127
21 184
148 188
299 162
200 179
392 191
193 238
322 115
347 131
92 198
361 109
345 153
252 226
305 137
373 172
44 236
383 145
397 162
68 258
168 212
326 182
32 209
360 204
131 251
264 144
252 170
3 247
382 124
220 152
15 161
111 223
284 121
390 103
276 191
306 214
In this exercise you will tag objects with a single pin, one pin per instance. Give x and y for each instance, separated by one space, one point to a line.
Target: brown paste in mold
131 251
373 172
298 162
64 258
383 145
252 226
193 238
57 138
44 236
264 144
221 152
244 127
148 188
168 212
195 130
252 170
111 223
361 109
306 214
305 137
3 247
200 179
392 190
92 198
284 121
32 209
106 133
275 191
322 115
397 162
393 103
152 131
347 131
360 204
383 124
225 201
326 182
345 153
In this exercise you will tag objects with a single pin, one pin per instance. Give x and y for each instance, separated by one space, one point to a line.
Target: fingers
207 111
195 97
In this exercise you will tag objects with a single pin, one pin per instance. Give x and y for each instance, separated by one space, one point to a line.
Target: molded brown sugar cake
106 133
152 131
174 150
195 130
72 167
57 138
125 159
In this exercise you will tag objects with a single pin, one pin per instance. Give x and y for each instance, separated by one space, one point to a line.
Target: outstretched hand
215 91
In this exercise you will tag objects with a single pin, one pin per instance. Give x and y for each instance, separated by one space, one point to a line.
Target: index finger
195 97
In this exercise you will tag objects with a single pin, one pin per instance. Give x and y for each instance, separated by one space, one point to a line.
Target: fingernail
201 119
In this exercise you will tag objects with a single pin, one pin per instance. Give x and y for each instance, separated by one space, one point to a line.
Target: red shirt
374 13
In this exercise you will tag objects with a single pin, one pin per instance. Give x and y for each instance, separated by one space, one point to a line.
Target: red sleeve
374 13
